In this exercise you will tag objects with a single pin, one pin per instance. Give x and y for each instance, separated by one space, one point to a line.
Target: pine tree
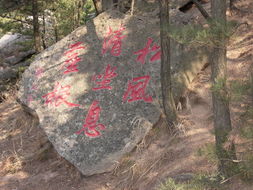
222 122
168 100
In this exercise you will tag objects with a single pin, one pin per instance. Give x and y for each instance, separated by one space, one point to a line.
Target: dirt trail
156 158
160 155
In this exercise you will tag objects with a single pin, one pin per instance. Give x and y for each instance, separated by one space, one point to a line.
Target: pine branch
16 19
132 7
95 6
201 9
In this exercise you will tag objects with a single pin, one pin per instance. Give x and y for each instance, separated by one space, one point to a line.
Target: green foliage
238 89
219 89
208 182
17 20
246 167
199 182
7 25
21 70
188 34
66 15
171 185
89 11
27 45
247 131
198 35
209 152
220 29
69 15
219 85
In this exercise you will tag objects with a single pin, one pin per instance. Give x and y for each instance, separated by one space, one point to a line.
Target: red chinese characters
142 54
38 72
136 90
113 41
58 96
73 47
103 80
30 98
34 87
73 59
90 127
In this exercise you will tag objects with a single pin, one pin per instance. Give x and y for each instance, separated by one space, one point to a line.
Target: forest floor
28 161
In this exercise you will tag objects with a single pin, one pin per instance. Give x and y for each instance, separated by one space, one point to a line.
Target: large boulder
96 96
97 92
14 48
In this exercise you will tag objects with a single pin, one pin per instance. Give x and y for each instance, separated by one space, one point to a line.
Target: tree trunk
44 31
36 26
56 31
232 4
222 123
201 9
132 7
107 4
55 25
168 100
79 9
97 6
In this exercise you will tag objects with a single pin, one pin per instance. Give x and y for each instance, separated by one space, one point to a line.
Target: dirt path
28 162
159 156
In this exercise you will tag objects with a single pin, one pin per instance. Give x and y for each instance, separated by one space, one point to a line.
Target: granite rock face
96 91
12 50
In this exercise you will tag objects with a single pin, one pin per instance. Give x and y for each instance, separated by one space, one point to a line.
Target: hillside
28 160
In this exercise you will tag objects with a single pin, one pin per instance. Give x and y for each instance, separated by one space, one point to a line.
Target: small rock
183 177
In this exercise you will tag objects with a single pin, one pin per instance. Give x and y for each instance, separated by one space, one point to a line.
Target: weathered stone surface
124 118
10 73
14 59
13 48
126 123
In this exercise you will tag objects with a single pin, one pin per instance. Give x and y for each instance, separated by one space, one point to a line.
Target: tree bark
201 9
44 31
168 100
222 124
132 7
232 4
95 3
56 31
36 26
107 4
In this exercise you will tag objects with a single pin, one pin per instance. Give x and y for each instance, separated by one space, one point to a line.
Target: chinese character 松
136 90
142 54
90 127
